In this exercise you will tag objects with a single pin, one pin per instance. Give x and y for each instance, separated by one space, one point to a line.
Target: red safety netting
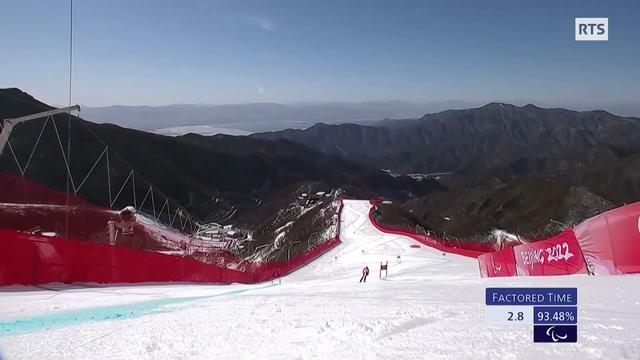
273 270
611 241
85 255
19 189
36 259
468 249
30 207
558 255
499 263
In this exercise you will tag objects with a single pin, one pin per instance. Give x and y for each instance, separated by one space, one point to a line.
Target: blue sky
166 52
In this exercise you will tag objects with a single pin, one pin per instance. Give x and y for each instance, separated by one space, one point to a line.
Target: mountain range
522 169
494 157
256 117
242 119
237 180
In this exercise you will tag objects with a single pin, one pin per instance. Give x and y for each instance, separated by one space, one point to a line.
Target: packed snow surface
430 307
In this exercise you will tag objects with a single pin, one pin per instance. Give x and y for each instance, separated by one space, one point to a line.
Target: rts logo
592 29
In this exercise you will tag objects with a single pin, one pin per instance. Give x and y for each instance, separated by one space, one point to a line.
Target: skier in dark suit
365 273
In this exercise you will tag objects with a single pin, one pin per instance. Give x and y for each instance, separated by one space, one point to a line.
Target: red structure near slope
605 244
558 255
499 263
35 259
38 257
611 241
31 207
464 248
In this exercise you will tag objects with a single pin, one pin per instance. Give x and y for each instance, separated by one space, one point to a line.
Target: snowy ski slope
429 307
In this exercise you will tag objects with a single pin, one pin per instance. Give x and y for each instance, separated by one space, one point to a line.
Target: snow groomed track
430 306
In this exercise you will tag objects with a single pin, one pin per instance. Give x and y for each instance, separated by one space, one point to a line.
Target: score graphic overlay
553 312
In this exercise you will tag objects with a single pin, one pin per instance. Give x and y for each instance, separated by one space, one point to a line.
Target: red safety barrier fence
37 259
608 243
499 263
427 240
21 190
31 207
274 270
558 255
611 241
85 255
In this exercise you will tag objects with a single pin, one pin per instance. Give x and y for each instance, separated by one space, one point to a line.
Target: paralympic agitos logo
555 333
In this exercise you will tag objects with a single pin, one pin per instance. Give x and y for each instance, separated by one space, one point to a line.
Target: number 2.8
518 317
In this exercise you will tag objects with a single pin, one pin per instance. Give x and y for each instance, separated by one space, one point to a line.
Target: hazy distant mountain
526 170
194 171
592 148
257 117
241 119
